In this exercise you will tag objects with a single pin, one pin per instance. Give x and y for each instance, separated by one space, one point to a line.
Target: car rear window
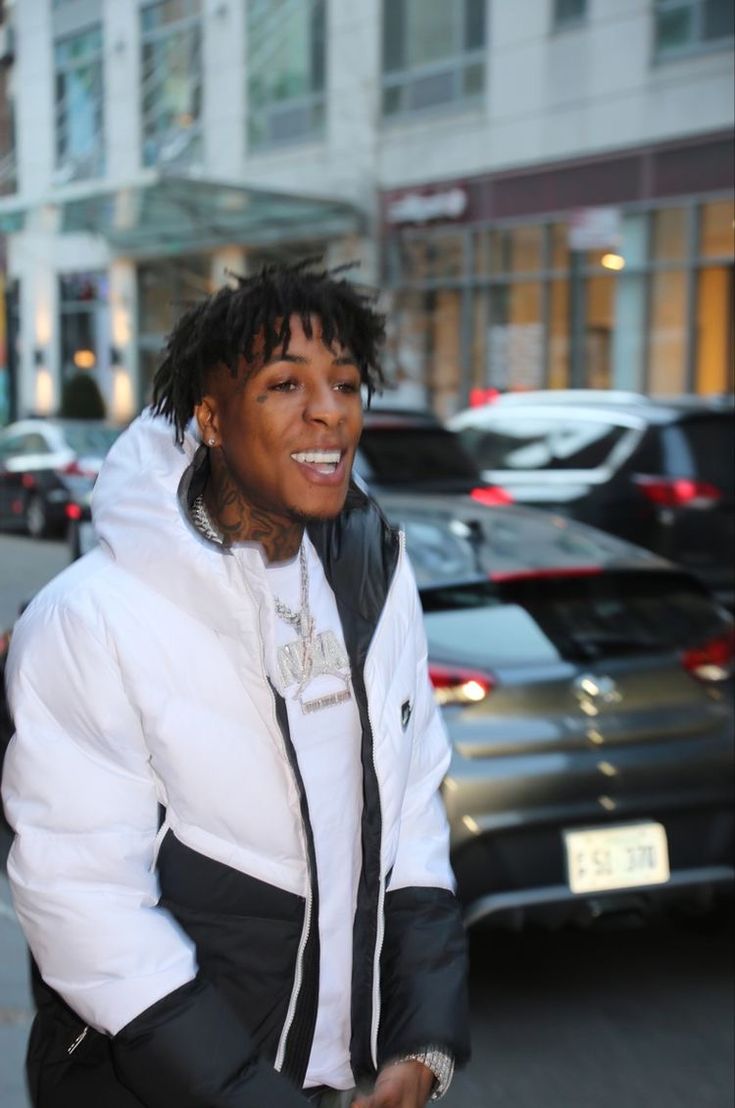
516 443
399 454
710 445
613 613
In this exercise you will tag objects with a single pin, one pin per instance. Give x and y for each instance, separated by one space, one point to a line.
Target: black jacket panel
246 933
423 975
191 1051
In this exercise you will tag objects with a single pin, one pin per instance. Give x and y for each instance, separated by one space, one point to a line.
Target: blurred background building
543 188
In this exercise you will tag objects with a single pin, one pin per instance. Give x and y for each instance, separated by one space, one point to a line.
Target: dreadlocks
230 323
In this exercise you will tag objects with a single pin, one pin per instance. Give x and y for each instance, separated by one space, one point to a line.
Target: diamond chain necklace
308 656
204 524
301 621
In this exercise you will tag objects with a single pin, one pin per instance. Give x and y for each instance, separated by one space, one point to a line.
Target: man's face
288 429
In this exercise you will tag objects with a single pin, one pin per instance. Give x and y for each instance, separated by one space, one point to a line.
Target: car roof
516 537
631 407
387 415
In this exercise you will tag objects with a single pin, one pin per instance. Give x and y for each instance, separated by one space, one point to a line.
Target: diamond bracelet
441 1065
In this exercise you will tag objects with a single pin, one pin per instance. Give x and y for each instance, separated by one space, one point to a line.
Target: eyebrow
299 359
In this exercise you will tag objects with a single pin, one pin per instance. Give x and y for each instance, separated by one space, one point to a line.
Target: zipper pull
79 1039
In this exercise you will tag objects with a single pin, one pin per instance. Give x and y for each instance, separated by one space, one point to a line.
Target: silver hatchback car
587 689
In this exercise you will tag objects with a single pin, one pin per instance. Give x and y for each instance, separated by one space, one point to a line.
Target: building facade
543 189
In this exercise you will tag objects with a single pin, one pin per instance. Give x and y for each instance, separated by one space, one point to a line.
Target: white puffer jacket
137 679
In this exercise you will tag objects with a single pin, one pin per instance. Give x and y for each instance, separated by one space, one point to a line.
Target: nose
325 405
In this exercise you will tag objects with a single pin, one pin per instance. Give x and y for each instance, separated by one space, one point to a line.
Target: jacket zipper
298 978
306 927
380 921
78 1041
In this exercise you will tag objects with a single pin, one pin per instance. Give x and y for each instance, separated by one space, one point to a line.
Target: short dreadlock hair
256 310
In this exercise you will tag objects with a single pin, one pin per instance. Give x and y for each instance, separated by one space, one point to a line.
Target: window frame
697 44
316 99
456 63
190 21
560 22
94 60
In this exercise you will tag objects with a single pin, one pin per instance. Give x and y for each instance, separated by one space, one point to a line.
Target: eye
347 387
284 386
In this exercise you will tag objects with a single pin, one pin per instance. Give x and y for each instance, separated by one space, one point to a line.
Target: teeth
318 457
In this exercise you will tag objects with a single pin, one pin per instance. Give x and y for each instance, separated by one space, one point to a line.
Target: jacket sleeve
424 957
81 797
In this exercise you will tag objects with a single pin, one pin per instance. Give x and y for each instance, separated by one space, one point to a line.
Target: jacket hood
143 526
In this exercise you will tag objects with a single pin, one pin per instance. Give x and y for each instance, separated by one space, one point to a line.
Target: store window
682 26
171 94
426 258
717 229
515 249
83 322
714 339
670 234
558 335
286 71
667 336
433 54
599 327
79 105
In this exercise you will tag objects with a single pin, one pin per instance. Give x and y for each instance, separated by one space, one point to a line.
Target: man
230 856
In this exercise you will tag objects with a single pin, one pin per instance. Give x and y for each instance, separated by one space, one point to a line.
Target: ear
207 417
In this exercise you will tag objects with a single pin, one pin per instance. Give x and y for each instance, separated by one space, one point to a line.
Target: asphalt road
640 1018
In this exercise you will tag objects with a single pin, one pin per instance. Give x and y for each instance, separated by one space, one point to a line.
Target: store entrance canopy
174 215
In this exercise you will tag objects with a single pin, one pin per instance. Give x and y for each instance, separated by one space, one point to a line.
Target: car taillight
677 492
492 495
74 469
457 685
713 660
72 511
542 572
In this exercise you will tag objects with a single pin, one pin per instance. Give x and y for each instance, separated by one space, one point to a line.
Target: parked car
660 473
412 450
587 689
47 467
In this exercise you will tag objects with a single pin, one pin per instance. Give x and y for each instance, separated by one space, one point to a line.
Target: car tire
36 517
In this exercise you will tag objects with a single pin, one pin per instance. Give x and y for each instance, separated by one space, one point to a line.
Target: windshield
90 439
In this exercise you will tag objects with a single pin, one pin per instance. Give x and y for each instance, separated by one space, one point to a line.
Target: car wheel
36 517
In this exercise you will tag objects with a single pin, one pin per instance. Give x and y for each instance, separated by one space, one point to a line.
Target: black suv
659 473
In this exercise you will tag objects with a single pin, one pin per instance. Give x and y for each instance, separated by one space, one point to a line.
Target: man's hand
400 1085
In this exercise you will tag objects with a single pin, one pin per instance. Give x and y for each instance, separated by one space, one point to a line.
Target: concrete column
122 89
224 89
123 328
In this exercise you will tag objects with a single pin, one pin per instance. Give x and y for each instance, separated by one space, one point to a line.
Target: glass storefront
511 307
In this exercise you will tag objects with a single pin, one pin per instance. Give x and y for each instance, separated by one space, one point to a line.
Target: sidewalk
15 1004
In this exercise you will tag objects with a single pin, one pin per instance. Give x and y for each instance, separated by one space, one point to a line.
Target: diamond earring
211 442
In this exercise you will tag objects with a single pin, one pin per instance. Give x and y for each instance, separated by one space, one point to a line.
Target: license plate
621 857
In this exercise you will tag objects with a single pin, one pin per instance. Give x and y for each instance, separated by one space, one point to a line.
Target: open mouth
321 461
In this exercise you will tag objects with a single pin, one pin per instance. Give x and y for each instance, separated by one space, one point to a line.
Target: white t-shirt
327 744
